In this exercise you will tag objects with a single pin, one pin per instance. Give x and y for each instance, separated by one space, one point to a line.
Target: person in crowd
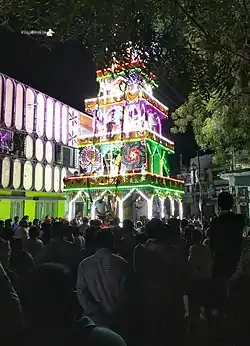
96 223
84 225
78 238
7 233
237 303
101 208
226 237
178 241
46 231
21 262
5 254
59 250
207 238
128 242
183 225
100 281
160 287
15 224
8 223
11 318
1 226
33 245
200 272
52 319
90 243
174 225
74 222
141 236
117 232
36 222
25 218
68 233
225 243
22 231
139 226
188 235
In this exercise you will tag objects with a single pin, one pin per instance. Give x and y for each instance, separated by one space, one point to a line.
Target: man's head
116 221
138 224
8 223
58 230
225 201
33 232
47 219
1 224
74 230
104 239
74 223
155 229
90 236
128 225
174 225
188 233
25 218
184 224
23 223
36 222
196 236
85 220
16 219
5 252
96 223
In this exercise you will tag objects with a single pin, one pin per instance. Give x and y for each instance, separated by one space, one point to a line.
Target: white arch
172 206
92 210
162 207
71 205
180 209
148 200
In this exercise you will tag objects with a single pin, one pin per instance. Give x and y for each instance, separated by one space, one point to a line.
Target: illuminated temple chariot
124 164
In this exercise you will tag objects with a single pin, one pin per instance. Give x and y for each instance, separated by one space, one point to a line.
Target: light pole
200 186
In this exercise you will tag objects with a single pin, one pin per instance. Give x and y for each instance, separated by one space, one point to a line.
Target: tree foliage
207 41
218 107
105 26
222 125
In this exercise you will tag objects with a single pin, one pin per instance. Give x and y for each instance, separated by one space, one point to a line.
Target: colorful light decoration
134 155
127 141
90 158
132 96
132 136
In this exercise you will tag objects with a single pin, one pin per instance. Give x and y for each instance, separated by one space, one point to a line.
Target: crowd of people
154 283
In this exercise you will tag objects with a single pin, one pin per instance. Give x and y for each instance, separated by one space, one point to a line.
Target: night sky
67 73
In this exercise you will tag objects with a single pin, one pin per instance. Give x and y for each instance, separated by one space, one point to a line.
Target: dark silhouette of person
50 308
21 262
225 243
226 238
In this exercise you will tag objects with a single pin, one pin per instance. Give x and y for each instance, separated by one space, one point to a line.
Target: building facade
239 185
38 149
203 184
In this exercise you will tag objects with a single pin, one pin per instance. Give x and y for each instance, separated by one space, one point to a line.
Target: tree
205 41
218 106
105 26
222 125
